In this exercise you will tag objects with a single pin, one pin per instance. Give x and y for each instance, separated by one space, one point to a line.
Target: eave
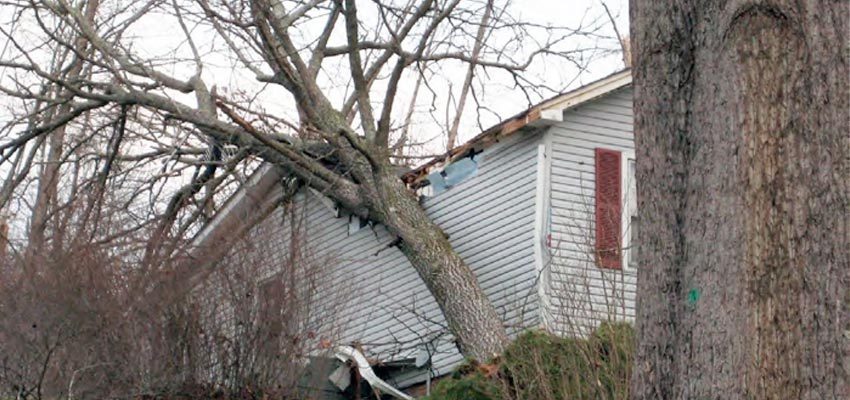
545 113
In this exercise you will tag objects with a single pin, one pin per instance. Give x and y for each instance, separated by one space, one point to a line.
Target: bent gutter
346 353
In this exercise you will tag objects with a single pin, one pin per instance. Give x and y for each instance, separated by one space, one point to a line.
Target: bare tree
480 36
48 180
84 325
337 141
741 123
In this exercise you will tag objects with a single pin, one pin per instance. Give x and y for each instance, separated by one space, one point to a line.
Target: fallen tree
305 50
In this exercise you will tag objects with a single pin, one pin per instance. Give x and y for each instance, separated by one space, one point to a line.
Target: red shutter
608 209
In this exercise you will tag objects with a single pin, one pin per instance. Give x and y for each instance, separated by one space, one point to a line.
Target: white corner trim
539 231
625 217
539 198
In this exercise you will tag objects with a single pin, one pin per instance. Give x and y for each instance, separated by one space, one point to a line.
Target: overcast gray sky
158 38
502 100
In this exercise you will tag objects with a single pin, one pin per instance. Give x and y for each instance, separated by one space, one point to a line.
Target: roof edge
259 185
544 113
245 199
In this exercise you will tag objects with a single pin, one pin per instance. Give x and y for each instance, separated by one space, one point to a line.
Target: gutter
245 201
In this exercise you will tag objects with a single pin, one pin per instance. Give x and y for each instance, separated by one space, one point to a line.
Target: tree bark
353 167
742 127
471 317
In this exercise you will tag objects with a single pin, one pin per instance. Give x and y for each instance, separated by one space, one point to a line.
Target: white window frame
628 190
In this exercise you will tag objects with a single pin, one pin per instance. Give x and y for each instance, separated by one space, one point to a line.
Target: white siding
367 293
378 299
580 295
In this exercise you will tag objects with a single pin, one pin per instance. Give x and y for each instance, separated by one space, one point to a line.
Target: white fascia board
549 115
552 111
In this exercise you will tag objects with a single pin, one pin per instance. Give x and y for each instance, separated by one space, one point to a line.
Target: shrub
85 321
539 365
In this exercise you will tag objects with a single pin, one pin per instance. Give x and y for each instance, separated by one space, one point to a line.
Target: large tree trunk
381 196
471 317
743 138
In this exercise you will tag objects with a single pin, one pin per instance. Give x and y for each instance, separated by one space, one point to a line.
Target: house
540 206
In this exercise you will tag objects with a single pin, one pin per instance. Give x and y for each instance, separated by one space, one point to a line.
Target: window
270 314
616 208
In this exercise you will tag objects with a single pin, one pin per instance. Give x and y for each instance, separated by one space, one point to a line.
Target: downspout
346 353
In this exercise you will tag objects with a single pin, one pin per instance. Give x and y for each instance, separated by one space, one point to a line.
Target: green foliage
539 365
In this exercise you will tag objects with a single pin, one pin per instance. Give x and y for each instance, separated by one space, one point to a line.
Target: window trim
264 308
629 207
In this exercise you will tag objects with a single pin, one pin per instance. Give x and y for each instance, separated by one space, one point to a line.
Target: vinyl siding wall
579 294
368 292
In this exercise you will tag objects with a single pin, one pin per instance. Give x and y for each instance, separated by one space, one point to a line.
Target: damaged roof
541 114
251 198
